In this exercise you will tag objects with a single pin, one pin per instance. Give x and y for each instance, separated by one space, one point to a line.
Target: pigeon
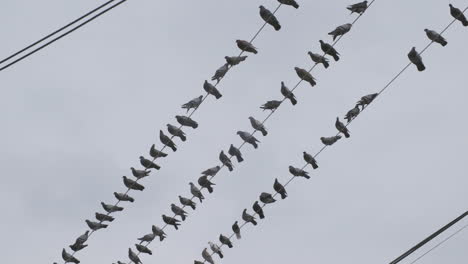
305 76
225 160
194 103
111 208
139 173
225 240
103 217
133 256
436 37
179 211
292 3
133 185
366 100
235 60
171 221
279 188
83 238
156 153
236 229
340 30
353 113
186 121
248 218
77 247
148 164
458 15
310 160
143 249
118 262
158 232
288 94
246 46
216 249
317 58
219 74
167 141
257 125
176 132
271 105
211 171
416 59
267 198
329 50
258 209
68 257
211 89
342 128
124 197
207 257
198 262
247 137
298 172
233 151
147 238
330 140
196 192
95 226
187 202
269 18
359 8
205 183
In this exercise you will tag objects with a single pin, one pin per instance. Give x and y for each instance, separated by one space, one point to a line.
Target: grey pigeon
156 153
171 221
133 185
198 262
211 171
67 257
290 3
216 249
257 125
235 60
458 15
366 100
271 105
353 113
219 74
269 18
341 127
139 173
187 121
359 8
416 59
310 160
123 197
267 198
258 209
133 256
329 50
236 229
77 247
158 232
206 183
317 58
225 160
207 256
305 76
298 172
288 94
83 238
167 141
95 226
330 140
225 240
340 30
196 192
436 37
143 249
246 46
248 218
148 164
193 104
111 208
211 89
103 217
187 202
279 188
233 151
247 137
147 238
178 211
176 132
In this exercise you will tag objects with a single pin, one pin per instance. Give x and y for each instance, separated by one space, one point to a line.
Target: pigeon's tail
326 64
218 95
254 51
346 133
420 66
465 22
173 147
336 57
443 42
264 132
255 145
193 206
183 138
277 26
176 226
254 222
306 176
239 158
183 217
194 125
312 82
229 245
261 214
229 167
283 195
238 236
161 238
210 189
293 100
314 166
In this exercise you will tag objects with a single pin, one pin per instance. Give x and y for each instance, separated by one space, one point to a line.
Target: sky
77 115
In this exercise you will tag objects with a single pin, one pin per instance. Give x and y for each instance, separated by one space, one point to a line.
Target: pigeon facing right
329 50
257 125
353 113
225 160
366 100
328 141
416 59
458 15
436 37
341 127
167 141
288 94
269 18
193 104
246 46
247 137
211 89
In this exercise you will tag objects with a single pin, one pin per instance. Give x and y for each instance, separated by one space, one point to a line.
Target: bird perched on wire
310 160
156 153
219 74
207 256
211 89
279 188
269 18
193 104
329 50
225 240
458 15
317 58
171 221
148 164
187 121
235 60
247 137
225 160
233 151
258 209
292 3
196 192
341 127
267 198
133 256
359 8
123 197
187 202
353 113
103 217
416 59
236 230
288 94
167 141
328 141
211 171
271 105
80 242
139 174
143 249
246 46
366 100
296 172
216 249
248 218
158 232
305 76
340 30
131 184
436 37
179 211
205 183
257 125
67 257
110 208
176 132
148 237
95 226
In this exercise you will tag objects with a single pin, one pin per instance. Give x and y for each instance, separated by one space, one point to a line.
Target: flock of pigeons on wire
207 175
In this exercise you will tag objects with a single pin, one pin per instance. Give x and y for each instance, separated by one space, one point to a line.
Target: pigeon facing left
292 3
317 58
211 171
139 174
248 218
67 257
458 15
216 249
233 151
211 89
340 31
288 94
359 8
171 221
167 141
95 226
225 160
187 202
328 141
269 18
207 257
247 137
193 104
298 172
267 198
416 59
258 209
225 240
219 74
341 127
133 185
329 50
196 192
176 132
279 188
187 121
104 218
143 249
148 164
236 229
179 211
310 160
235 60
257 125
436 37
205 183
246 46
111 208
305 76
156 153
133 257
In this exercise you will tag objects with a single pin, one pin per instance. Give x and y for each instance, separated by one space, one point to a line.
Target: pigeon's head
133 169
238 132
161 132
141 157
191 183
261 7
200 97
177 116
237 41
296 68
426 30
338 137
172 205
321 41
251 118
451 6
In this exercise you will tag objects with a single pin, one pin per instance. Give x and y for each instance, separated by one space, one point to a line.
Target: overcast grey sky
78 114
